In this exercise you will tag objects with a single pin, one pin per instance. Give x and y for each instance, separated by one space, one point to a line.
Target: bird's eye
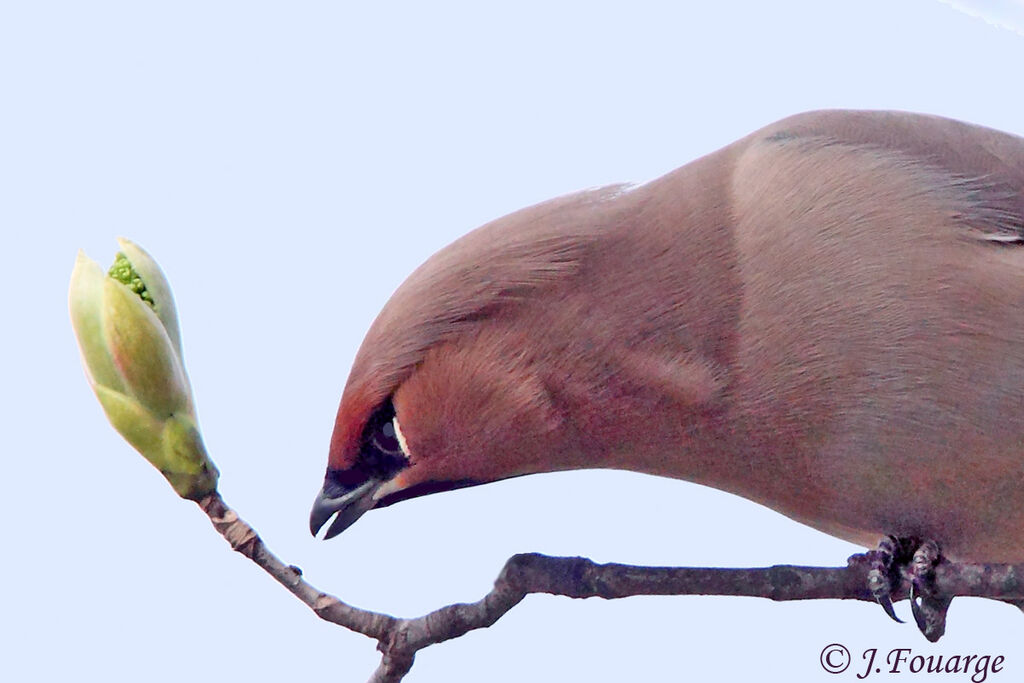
385 438
384 451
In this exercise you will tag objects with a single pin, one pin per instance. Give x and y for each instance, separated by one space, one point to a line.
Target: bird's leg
926 602
884 575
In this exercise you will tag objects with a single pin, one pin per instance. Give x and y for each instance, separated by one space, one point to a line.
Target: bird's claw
881 576
886 602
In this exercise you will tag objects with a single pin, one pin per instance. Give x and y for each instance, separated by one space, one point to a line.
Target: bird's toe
883 575
927 603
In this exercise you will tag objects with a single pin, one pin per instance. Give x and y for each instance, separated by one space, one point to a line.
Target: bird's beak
346 506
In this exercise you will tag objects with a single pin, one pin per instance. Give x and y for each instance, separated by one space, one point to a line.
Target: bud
127 331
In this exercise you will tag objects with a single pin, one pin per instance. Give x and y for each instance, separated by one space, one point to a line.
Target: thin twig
576 577
245 540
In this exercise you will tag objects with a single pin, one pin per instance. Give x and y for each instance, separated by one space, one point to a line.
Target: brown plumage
826 317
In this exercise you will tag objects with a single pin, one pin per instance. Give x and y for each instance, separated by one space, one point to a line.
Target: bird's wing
988 164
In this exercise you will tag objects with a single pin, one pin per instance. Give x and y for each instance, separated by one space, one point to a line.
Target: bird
825 317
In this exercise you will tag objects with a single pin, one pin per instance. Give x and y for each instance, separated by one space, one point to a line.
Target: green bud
127 331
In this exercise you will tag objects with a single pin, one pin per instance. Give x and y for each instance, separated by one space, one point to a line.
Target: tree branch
578 577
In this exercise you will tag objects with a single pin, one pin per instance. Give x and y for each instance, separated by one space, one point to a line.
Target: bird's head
447 389
551 339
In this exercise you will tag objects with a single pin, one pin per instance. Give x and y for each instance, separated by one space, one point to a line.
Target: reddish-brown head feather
465 283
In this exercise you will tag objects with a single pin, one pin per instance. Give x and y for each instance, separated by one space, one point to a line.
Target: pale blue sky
289 164
1008 14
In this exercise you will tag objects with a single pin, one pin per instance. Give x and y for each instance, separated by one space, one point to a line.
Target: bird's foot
883 574
896 557
927 603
